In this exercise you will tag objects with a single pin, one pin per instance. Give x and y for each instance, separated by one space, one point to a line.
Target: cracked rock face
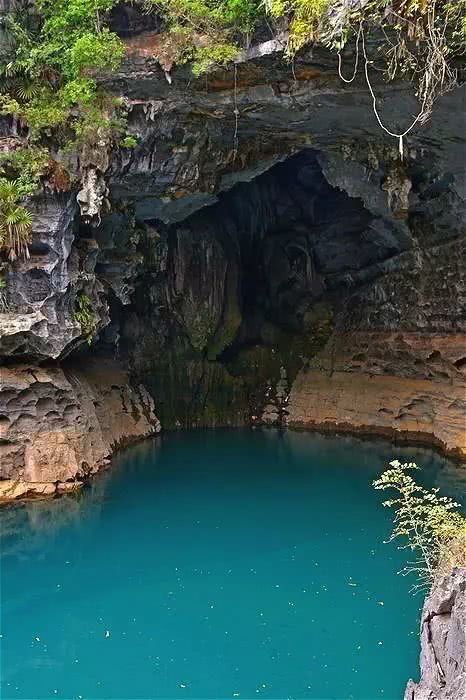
39 320
58 426
443 642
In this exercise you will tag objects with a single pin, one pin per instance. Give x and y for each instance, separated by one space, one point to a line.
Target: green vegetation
85 316
210 17
48 72
47 84
432 525
15 220
55 50
305 18
208 32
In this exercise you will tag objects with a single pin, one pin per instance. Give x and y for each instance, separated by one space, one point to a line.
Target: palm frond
15 221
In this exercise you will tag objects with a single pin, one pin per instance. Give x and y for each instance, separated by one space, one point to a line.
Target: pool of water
215 564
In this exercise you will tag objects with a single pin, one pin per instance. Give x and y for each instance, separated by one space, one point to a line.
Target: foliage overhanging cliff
53 52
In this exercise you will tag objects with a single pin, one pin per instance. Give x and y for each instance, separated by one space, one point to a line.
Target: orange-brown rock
58 426
404 385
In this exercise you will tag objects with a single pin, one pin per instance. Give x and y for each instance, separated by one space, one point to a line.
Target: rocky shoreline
64 425
404 386
62 459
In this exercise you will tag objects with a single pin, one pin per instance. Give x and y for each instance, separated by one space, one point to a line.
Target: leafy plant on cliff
85 316
305 18
25 165
210 16
20 174
54 55
47 84
209 32
431 525
15 220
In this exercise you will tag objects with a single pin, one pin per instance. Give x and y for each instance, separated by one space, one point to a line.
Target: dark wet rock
130 19
39 321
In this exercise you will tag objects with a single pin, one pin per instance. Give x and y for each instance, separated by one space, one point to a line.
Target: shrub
431 524
26 166
210 28
94 52
128 141
306 16
209 56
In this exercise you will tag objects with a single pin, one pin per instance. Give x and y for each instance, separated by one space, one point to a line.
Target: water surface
226 564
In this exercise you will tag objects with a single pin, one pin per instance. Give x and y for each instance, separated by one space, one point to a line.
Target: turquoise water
227 564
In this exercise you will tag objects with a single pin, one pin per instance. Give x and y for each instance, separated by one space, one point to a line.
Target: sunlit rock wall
59 426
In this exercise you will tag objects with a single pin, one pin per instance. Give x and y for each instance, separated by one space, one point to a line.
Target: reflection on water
215 564
24 527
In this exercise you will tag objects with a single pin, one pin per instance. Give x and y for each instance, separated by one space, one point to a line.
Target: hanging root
418 48
430 67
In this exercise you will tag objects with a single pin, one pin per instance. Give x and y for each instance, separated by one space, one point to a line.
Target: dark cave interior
240 294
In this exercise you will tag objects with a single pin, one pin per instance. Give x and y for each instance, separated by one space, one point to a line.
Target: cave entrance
240 295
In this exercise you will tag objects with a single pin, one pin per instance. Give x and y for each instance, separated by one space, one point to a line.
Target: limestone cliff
443 642
261 255
405 385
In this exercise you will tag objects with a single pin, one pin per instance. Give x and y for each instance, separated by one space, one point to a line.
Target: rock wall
405 385
267 258
395 364
60 425
443 642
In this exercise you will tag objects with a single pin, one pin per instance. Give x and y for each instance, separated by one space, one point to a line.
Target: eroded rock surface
267 258
403 385
38 320
443 642
60 425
